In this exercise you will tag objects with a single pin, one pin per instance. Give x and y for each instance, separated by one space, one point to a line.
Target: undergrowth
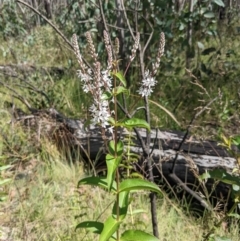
43 202
46 205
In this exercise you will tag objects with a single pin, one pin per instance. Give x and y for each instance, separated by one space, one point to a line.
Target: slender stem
152 196
125 72
106 26
115 154
117 181
128 172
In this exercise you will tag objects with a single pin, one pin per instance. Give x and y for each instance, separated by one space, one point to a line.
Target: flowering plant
105 86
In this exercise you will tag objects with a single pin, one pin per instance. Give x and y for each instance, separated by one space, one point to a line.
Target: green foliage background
212 57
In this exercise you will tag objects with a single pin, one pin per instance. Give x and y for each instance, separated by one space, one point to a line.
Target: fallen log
193 159
19 70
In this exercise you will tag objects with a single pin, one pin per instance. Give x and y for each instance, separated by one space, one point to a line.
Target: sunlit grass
47 205
40 47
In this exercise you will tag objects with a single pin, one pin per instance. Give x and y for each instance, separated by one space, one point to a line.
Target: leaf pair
111 225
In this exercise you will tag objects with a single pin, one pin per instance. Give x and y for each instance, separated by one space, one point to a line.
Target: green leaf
4 181
135 122
208 51
5 167
112 165
121 77
121 89
205 175
200 45
219 3
182 26
110 227
236 141
97 181
106 96
119 147
123 206
137 235
225 177
209 15
112 121
92 226
138 184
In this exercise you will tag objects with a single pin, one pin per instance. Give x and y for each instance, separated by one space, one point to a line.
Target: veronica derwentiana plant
105 86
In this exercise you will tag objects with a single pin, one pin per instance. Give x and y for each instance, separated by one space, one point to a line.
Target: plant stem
115 143
152 196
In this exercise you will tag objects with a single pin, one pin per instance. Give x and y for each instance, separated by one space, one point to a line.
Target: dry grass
44 203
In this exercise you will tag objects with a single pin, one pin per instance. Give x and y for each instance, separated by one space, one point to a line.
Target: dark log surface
194 157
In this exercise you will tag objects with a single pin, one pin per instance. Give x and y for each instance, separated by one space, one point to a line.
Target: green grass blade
165 110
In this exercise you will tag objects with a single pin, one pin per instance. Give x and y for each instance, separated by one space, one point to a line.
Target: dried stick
147 157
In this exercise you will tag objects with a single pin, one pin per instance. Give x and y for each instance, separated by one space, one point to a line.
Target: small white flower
110 129
145 91
107 79
86 79
148 83
100 113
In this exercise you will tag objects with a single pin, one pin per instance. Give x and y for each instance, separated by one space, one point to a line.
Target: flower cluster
98 82
95 81
108 49
148 83
159 54
101 113
100 108
135 47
